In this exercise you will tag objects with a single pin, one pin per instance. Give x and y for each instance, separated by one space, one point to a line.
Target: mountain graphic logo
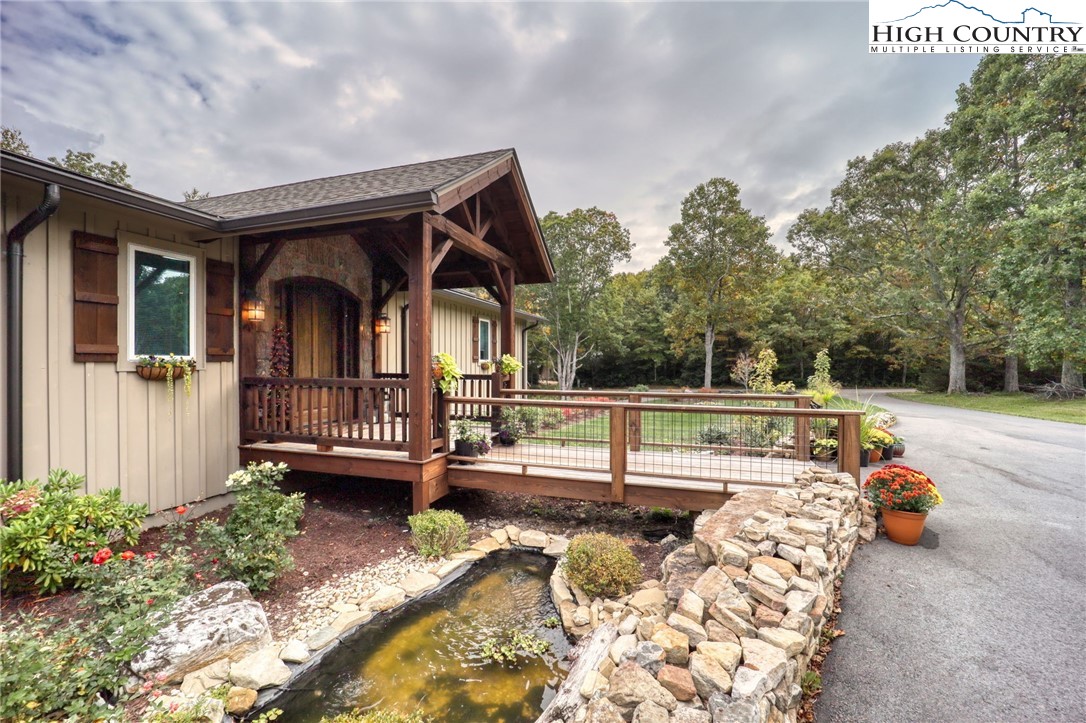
1040 16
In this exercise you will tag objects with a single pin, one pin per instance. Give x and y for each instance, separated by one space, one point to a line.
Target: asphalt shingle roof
364 186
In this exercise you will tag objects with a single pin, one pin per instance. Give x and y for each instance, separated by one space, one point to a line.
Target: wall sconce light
252 308
382 324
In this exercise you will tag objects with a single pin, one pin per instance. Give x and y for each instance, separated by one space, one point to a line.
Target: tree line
952 261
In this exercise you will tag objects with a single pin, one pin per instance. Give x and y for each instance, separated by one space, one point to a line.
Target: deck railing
697 442
801 425
366 413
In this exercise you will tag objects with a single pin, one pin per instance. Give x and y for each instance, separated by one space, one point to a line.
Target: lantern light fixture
252 308
382 324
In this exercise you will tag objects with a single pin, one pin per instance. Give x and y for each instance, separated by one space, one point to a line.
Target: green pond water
428 655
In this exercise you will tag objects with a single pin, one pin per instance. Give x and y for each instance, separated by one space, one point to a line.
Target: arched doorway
324 323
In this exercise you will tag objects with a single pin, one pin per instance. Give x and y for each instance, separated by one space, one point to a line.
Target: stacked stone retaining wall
729 630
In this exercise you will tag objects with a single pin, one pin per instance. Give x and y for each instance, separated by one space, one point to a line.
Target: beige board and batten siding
451 332
102 419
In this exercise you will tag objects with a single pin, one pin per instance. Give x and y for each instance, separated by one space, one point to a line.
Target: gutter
14 303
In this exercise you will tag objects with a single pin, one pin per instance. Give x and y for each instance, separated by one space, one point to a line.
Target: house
95 275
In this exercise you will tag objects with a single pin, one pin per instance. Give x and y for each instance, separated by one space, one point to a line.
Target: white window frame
130 283
484 349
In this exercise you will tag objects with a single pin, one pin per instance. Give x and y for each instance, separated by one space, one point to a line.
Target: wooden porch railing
699 442
365 413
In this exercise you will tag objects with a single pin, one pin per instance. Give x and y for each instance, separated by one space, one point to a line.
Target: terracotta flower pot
903 528
874 455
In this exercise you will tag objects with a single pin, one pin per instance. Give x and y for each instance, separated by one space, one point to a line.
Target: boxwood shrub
437 533
601 565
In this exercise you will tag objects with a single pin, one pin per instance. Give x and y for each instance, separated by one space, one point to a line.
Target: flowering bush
881 438
901 488
45 525
252 545
50 671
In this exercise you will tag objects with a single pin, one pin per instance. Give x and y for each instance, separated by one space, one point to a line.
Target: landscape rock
679 571
768 576
631 685
468 555
726 709
222 621
791 642
799 601
766 595
240 700
727 655
556 547
416 583
765 617
501 536
711 584
741 628
766 658
295 651
648 655
533 538
620 646
726 522
321 638
262 669
447 568
717 633
649 712
602 710
514 533
348 621
709 676
690 715
676 645
692 606
750 684
487 545
385 598
677 681
686 626
593 681
206 678
649 602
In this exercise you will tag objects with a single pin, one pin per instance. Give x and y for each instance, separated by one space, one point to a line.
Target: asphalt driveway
985 620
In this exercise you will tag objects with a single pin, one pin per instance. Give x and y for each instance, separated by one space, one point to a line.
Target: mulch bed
351 523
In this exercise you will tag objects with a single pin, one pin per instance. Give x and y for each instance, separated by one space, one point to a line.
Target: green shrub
601 565
252 545
45 525
377 716
50 671
639 388
753 432
551 417
437 533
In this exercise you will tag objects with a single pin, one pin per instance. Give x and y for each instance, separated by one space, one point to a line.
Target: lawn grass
1015 404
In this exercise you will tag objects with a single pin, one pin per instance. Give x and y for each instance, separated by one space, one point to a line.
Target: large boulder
220 622
726 522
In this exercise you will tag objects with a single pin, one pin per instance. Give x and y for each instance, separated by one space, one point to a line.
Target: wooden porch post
420 286
509 313
802 439
848 445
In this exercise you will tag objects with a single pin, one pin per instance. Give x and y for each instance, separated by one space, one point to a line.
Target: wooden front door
324 327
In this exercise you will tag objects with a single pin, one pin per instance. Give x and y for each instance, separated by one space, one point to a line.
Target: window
160 302
484 340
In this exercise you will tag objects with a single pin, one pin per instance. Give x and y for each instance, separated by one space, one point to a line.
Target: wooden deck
699 481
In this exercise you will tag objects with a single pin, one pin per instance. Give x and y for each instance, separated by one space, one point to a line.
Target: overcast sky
622 106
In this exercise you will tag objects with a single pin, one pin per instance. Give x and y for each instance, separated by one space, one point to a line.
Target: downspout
14 303
403 339
524 349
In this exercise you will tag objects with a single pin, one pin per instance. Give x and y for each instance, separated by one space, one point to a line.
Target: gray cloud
623 106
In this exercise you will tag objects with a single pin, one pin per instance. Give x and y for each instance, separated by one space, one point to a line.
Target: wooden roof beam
253 277
454 196
468 242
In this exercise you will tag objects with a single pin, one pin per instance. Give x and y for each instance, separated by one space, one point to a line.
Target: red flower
180 509
198 576
75 557
150 555
127 555
150 601
102 555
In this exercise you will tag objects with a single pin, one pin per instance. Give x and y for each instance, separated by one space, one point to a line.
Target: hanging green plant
447 374
508 364
158 368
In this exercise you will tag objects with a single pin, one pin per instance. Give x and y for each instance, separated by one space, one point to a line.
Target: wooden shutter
220 310
94 282
475 339
493 342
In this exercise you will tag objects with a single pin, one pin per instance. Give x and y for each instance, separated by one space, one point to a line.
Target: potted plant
824 449
884 443
899 446
158 368
508 365
470 443
904 496
512 428
447 374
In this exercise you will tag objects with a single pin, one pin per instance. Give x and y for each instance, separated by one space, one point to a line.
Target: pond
429 654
